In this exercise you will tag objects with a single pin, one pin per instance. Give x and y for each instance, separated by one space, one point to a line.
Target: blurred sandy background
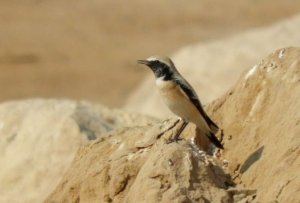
88 49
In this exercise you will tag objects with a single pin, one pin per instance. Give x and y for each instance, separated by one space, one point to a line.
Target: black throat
161 70
163 73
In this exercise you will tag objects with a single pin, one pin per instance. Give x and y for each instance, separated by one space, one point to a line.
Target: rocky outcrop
213 67
136 165
260 124
38 140
260 118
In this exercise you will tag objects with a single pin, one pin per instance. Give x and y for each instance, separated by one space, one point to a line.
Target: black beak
145 62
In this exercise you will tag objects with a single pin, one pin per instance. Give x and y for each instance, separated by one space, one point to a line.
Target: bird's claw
173 139
177 138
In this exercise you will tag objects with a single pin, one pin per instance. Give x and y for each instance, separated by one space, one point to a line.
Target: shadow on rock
254 157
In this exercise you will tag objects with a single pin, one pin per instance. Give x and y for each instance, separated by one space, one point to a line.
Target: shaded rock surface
213 67
38 140
261 121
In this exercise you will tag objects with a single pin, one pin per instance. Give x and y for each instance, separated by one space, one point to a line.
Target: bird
181 98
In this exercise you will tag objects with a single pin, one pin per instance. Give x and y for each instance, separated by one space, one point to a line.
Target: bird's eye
156 62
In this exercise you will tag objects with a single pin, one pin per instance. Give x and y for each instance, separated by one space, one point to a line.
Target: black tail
215 140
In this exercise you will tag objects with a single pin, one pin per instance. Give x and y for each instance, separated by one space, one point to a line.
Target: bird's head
162 67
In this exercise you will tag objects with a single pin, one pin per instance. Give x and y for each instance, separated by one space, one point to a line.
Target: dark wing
189 91
214 140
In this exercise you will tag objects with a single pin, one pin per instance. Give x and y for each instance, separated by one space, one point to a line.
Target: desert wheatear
181 98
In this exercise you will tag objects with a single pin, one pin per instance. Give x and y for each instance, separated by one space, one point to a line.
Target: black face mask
161 70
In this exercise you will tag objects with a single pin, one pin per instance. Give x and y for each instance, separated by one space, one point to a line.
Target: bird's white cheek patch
160 82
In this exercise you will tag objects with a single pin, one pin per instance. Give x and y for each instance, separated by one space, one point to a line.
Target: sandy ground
87 49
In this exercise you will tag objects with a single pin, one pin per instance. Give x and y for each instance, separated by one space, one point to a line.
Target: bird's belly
187 111
180 107
179 104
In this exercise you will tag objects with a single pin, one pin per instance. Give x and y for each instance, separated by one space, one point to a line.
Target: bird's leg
174 124
184 124
176 137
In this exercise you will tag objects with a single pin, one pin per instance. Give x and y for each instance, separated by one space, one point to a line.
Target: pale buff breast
179 103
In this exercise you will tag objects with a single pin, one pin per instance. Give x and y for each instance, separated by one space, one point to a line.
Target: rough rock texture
38 140
213 67
136 165
261 121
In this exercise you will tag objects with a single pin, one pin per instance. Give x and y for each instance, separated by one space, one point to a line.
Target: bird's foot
173 139
176 138
169 128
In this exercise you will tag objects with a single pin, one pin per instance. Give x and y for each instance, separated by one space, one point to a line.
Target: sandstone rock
136 165
38 139
213 67
261 121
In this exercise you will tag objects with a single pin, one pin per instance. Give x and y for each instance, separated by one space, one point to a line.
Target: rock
136 165
127 158
260 119
213 67
40 137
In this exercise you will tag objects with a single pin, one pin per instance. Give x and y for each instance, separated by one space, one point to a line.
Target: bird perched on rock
181 98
